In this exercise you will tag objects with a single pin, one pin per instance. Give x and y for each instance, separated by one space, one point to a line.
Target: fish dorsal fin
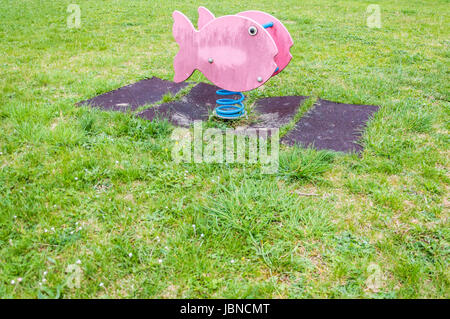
204 17
181 26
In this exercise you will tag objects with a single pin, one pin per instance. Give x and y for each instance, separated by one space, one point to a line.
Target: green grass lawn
100 190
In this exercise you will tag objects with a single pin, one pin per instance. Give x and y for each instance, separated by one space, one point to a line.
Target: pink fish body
234 52
278 32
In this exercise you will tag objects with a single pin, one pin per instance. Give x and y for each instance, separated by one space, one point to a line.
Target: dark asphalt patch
132 96
332 126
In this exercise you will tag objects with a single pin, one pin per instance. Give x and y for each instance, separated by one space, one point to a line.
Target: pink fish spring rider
235 52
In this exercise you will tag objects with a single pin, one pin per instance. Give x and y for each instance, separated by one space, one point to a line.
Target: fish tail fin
204 16
184 33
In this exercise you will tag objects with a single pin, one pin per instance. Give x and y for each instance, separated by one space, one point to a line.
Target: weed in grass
305 164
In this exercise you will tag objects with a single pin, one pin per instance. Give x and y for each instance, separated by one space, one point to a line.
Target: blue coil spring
230 108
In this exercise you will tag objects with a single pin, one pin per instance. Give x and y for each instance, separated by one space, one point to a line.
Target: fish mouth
274 68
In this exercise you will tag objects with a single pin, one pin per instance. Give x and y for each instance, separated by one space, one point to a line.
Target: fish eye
252 30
